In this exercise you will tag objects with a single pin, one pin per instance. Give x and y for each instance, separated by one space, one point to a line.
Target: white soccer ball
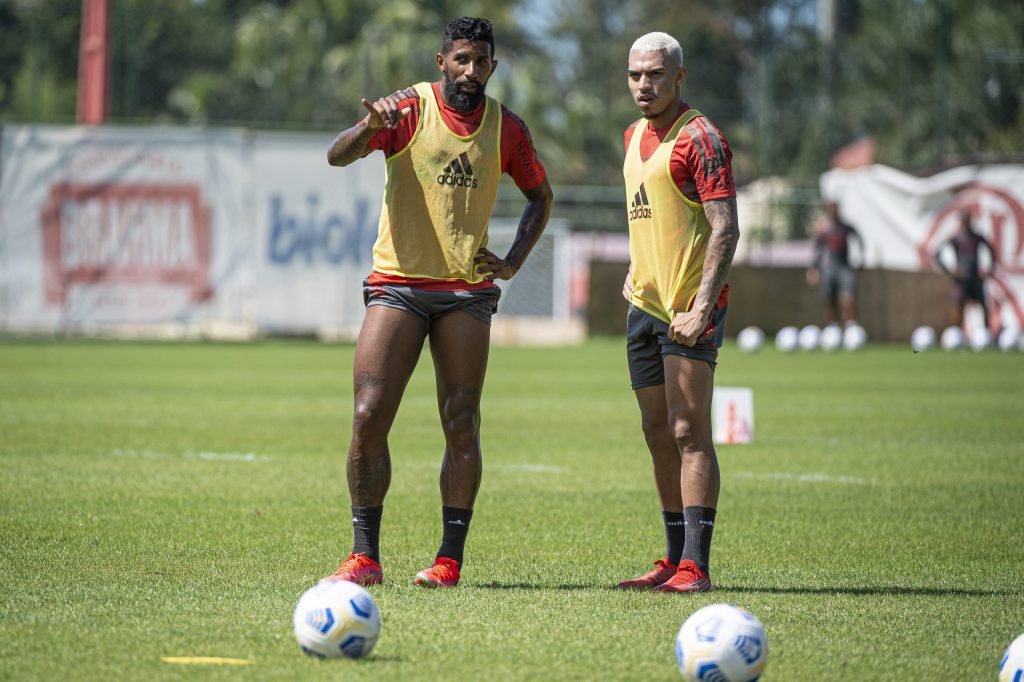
786 339
831 338
1009 340
336 618
922 339
981 339
1012 667
721 643
952 338
808 337
750 339
854 337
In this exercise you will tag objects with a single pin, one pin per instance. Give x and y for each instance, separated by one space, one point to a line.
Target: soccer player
831 269
682 237
447 144
968 281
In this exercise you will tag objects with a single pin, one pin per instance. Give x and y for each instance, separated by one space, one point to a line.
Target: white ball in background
922 339
831 338
808 337
786 339
1009 340
854 337
750 339
952 339
981 339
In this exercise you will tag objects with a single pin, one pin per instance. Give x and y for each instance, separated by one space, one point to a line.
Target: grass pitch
174 500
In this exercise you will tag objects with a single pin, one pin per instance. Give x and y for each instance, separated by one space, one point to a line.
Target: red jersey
701 162
518 157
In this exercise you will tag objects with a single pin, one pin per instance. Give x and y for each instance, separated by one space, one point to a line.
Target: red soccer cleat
663 571
444 573
359 569
688 578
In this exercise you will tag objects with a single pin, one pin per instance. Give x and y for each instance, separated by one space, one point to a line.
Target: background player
682 236
831 269
447 145
968 280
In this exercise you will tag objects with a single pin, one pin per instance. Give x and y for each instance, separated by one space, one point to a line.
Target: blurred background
164 162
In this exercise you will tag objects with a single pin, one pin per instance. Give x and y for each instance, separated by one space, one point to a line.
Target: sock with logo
675 535
366 531
456 527
700 523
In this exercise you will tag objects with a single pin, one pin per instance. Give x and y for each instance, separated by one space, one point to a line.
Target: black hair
467 28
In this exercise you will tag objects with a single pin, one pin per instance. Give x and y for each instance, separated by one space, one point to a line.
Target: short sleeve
519 158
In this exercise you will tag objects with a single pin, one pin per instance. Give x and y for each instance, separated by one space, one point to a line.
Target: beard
459 100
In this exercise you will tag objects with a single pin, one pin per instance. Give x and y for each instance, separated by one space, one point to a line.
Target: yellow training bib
668 233
439 195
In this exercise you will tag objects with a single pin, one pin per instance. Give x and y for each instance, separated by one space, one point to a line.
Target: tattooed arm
687 327
350 144
531 225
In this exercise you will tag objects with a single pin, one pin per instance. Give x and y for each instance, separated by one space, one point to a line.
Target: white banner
904 219
147 226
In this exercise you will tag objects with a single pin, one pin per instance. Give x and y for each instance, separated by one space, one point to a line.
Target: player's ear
440 61
681 76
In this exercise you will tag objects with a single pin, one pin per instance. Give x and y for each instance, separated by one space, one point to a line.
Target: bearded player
446 145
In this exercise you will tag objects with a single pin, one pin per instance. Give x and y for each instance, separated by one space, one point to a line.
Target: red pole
92 63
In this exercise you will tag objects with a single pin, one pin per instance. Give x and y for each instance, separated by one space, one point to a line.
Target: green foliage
175 500
934 81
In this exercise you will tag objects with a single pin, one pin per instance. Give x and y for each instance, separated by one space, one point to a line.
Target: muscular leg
390 342
688 389
847 304
459 344
662 444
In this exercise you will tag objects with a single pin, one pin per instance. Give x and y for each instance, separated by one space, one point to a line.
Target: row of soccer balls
853 337
717 643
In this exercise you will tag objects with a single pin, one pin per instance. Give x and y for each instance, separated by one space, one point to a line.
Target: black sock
366 531
456 527
675 535
700 523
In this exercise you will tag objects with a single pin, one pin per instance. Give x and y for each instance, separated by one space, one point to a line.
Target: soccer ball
952 339
808 337
750 339
336 618
1012 667
981 339
922 339
1009 339
721 643
831 338
786 339
854 337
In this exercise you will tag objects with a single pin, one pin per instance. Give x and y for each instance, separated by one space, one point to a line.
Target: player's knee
367 421
461 417
655 430
686 431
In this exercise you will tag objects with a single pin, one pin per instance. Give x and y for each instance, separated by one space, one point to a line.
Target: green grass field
174 500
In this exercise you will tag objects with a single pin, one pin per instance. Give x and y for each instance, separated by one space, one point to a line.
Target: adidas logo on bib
640 209
458 173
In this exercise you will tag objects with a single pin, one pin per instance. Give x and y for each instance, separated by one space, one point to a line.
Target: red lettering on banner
125 234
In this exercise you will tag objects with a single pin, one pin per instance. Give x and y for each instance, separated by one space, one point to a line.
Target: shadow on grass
893 590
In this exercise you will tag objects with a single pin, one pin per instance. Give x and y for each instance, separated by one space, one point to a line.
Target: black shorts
647 342
969 289
429 304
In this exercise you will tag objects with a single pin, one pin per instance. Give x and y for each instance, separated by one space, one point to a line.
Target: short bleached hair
653 42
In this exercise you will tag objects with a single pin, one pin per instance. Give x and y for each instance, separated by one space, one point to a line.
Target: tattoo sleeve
349 145
725 234
535 217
